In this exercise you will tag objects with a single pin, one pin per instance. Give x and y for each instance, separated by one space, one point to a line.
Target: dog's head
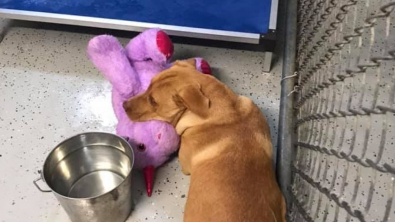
170 94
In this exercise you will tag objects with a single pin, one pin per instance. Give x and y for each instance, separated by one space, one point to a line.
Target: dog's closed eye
151 100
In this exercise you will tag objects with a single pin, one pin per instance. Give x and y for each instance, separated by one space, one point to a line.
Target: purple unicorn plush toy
130 71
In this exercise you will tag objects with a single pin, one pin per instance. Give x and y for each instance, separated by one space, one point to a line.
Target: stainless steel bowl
90 175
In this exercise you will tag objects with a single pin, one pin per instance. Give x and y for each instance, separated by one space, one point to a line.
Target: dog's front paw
185 171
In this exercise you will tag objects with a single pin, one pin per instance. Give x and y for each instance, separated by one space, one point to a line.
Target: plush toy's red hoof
205 67
149 172
164 44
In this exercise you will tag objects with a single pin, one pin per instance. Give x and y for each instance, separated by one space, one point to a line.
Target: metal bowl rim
94 197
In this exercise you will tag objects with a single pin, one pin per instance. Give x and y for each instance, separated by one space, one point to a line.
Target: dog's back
225 146
233 178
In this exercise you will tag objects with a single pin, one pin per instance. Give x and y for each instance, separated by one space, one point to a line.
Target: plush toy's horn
149 178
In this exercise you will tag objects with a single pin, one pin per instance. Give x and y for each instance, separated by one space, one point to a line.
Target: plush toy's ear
193 99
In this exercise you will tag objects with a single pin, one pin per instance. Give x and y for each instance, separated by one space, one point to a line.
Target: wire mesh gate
344 169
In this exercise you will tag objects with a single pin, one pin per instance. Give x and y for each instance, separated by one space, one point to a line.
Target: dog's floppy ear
191 62
185 63
193 99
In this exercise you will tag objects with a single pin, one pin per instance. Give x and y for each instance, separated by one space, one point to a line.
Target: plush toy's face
163 141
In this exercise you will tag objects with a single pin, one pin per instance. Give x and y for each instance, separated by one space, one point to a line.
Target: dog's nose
125 105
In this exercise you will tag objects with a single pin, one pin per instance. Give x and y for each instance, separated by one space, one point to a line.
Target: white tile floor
49 91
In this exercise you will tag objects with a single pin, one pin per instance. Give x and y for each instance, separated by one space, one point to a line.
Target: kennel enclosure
340 163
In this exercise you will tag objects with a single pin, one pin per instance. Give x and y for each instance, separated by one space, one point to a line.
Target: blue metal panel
250 16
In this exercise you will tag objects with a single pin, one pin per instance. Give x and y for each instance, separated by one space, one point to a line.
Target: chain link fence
344 169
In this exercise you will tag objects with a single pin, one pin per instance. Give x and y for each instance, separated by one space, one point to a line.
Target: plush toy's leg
108 55
203 66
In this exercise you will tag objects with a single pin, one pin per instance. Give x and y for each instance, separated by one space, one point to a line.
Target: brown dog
225 146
